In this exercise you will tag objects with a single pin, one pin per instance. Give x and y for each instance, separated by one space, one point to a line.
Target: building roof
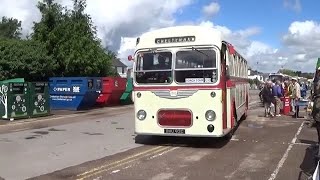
118 63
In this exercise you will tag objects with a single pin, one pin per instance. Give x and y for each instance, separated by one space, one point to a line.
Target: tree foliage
63 43
71 39
296 73
10 28
19 58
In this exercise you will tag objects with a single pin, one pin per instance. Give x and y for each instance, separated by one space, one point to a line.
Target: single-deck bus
279 76
188 81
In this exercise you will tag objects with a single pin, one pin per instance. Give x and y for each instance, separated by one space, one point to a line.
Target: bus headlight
210 115
141 114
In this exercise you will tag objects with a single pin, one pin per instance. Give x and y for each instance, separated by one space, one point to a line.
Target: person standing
277 93
290 89
296 95
267 99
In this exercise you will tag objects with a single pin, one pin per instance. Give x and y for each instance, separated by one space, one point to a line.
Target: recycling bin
112 90
39 99
14 100
126 96
74 93
13 80
285 105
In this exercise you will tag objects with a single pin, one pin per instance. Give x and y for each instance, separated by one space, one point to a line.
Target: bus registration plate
175 131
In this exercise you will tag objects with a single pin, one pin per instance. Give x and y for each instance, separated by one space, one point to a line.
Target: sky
269 34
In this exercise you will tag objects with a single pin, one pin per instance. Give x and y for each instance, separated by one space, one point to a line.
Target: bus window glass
196 66
231 67
275 78
154 67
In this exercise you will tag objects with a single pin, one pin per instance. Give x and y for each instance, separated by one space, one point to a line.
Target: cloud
114 19
302 41
127 45
24 10
120 22
299 49
211 9
293 4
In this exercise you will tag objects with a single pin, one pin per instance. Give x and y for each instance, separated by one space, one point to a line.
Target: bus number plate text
175 131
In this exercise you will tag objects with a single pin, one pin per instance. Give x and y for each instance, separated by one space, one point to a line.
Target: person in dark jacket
268 99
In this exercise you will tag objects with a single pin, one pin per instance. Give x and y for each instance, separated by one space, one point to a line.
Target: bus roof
180 36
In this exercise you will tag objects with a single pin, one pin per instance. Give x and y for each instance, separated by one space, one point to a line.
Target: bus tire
235 119
229 135
245 114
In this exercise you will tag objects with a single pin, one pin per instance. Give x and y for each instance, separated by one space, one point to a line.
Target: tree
10 28
19 58
71 39
288 72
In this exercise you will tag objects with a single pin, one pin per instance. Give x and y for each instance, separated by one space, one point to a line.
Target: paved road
104 148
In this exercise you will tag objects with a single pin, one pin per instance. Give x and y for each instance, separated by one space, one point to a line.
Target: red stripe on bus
230 83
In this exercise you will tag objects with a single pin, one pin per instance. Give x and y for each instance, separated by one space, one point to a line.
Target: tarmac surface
101 145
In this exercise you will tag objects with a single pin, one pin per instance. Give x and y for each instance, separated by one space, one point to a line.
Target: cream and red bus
188 81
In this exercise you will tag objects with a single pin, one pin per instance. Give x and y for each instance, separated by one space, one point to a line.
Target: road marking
161 151
303 144
125 159
285 155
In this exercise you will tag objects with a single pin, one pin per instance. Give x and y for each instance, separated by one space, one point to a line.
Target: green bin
126 96
39 99
13 80
14 100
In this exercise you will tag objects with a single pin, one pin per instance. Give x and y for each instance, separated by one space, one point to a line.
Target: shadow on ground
309 163
194 142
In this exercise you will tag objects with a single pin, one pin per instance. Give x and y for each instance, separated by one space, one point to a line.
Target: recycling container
126 96
112 90
39 99
74 93
13 80
285 105
14 100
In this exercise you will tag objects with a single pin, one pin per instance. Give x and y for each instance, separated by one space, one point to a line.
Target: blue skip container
74 93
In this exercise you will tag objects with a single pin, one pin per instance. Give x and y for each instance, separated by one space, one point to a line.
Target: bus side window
231 65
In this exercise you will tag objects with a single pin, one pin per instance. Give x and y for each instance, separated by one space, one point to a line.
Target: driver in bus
162 63
163 76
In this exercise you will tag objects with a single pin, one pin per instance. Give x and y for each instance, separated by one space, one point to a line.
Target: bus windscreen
196 66
154 67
